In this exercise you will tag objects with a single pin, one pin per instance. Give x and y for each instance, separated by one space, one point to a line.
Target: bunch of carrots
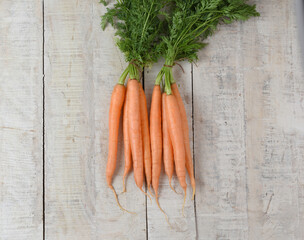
146 147
148 30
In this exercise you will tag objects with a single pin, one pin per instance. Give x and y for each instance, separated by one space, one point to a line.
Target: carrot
145 136
189 163
176 134
156 140
167 145
127 146
117 100
135 134
156 136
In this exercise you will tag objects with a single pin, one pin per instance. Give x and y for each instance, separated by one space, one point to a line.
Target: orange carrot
167 145
189 163
176 134
156 136
156 140
127 146
145 136
117 100
135 134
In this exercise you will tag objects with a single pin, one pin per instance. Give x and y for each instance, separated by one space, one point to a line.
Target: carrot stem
159 77
123 76
168 76
133 70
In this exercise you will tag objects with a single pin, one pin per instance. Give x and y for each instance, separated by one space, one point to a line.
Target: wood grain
274 93
21 79
219 138
82 67
251 115
245 99
182 227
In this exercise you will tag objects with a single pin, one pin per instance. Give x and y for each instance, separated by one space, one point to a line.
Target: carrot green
190 23
138 28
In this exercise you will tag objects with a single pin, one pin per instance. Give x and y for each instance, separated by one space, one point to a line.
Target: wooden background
245 105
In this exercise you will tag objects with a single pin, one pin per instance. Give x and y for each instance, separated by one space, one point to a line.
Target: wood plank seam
245 146
193 141
43 128
146 188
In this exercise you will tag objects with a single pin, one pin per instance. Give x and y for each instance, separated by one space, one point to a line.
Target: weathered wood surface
82 66
21 121
244 101
219 138
274 91
248 125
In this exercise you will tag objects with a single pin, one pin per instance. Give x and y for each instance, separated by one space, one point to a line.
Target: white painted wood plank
274 91
219 138
112 223
182 227
263 56
82 66
21 99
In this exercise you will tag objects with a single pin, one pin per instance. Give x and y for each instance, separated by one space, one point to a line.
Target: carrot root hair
149 189
193 194
116 197
146 194
183 209
166 216
171 186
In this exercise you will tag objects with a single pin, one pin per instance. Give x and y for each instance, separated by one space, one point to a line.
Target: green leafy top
138 28
191 22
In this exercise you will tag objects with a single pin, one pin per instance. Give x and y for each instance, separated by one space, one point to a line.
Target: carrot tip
166 216
171 186
124 184
123 209
146 194
193 194
149 189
